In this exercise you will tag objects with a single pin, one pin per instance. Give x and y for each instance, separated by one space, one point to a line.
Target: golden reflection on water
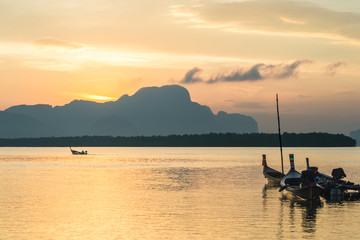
161 193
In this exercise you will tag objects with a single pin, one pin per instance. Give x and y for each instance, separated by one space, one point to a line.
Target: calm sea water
166 193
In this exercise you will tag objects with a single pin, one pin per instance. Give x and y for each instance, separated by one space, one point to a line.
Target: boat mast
278 118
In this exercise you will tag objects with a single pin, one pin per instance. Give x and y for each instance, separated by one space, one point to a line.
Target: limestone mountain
150 111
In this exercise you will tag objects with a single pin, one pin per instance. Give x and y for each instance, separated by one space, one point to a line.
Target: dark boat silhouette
336 189
273 176
303 185
310 184
74 152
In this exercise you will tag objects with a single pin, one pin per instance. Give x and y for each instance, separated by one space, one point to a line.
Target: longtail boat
273 176
335 188
74 152
302 184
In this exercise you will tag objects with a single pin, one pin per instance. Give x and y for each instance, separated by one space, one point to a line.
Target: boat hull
273 176
306 192
79 153
293 183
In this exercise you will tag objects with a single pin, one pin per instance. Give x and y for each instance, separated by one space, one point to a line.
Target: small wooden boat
273 176
74 152
303 184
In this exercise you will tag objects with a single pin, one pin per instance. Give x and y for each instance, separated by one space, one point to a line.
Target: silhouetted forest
197 140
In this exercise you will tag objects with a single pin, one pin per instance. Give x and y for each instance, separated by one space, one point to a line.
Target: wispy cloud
249 105
190 76
292 21
65 56
288 70
294 18
253 74
257 72
333 67
53 42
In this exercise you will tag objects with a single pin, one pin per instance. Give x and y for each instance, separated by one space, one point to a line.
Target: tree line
189 140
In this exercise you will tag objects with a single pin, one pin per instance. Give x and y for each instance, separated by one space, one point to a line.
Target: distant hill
150 111
356 135
13 125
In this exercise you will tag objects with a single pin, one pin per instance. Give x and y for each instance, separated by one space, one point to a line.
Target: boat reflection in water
293 212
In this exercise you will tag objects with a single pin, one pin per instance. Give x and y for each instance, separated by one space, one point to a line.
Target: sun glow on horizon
97 98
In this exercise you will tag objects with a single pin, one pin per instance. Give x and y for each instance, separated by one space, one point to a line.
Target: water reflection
309 219
308 211
292 211
153 193
173 179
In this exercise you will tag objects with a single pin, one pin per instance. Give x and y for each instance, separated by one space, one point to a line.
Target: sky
232 56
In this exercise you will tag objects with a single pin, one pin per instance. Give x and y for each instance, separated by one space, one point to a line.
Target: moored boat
336 189
273 176
303 184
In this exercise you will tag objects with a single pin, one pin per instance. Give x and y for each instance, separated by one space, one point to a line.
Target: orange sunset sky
231 55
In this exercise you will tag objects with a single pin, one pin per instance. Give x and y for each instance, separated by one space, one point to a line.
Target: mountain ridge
150 111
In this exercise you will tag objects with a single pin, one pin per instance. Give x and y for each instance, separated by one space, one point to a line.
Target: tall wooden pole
278 117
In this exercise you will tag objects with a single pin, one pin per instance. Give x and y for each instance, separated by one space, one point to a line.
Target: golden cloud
293 18
53 42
